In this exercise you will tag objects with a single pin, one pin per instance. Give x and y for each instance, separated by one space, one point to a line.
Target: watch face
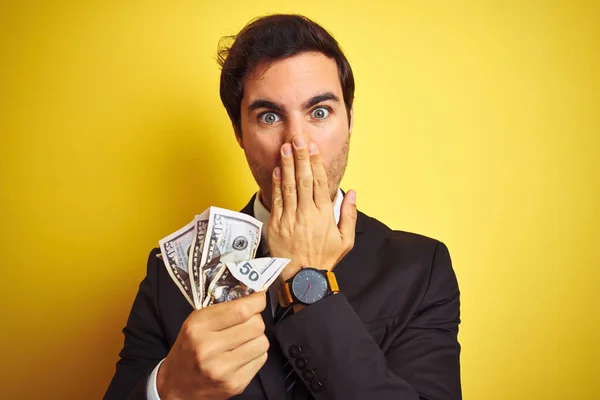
309 285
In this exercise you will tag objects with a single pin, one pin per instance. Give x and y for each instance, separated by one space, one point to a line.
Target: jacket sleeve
144 345
422 361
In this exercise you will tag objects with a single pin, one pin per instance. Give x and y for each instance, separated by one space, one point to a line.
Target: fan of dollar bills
211 259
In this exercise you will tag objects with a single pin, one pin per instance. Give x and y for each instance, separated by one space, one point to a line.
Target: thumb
348 215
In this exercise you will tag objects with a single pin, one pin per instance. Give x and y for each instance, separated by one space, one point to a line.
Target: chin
333 193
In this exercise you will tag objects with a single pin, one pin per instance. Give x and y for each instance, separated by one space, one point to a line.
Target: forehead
293 79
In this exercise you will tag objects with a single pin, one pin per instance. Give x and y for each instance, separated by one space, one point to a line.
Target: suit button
301 362
316 386
308 374
295 351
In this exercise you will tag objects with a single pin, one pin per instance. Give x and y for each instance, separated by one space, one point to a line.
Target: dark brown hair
272 38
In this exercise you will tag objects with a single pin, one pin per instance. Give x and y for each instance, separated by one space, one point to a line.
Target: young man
390 332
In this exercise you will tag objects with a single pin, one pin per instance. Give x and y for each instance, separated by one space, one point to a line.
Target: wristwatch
308 286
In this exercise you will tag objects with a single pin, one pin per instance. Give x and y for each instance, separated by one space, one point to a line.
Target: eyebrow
320 98
263 103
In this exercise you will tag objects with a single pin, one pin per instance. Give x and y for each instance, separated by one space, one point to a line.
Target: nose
297 126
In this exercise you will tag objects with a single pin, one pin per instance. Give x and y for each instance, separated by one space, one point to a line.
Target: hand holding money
217 353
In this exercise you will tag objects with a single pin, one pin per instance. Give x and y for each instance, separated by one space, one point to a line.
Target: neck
261 197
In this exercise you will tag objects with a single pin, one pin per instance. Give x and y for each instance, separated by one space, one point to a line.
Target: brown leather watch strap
332 280
284 295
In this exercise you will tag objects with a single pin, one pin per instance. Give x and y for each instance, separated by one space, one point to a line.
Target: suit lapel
249 208
270 375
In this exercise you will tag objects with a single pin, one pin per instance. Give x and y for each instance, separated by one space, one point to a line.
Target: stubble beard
335 173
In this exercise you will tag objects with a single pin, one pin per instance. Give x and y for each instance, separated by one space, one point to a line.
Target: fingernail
286 149
299 142
277 172
312 149
352 197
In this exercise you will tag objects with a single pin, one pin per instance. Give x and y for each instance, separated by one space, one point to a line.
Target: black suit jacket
390 334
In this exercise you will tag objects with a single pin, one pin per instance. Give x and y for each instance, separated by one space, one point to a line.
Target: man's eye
320 113
269 118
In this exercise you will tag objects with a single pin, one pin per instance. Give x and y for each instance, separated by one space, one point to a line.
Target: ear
351 121
238 135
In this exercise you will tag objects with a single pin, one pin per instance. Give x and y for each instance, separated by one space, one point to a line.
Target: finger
276 196
247 372
250 369
348 216
237 335
288 181
245 353
224 315
320 183
304 177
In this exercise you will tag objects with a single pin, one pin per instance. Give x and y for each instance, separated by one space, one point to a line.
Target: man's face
299 95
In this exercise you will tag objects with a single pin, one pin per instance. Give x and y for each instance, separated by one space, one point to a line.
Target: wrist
289 271
162 384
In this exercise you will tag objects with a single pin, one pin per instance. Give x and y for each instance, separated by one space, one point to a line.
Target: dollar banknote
259 273
175 250
225 287
231 237
194 266
235 280
211 259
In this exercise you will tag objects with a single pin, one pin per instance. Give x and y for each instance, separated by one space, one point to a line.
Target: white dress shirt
262 214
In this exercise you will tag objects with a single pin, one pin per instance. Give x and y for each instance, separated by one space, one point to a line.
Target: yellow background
476 123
